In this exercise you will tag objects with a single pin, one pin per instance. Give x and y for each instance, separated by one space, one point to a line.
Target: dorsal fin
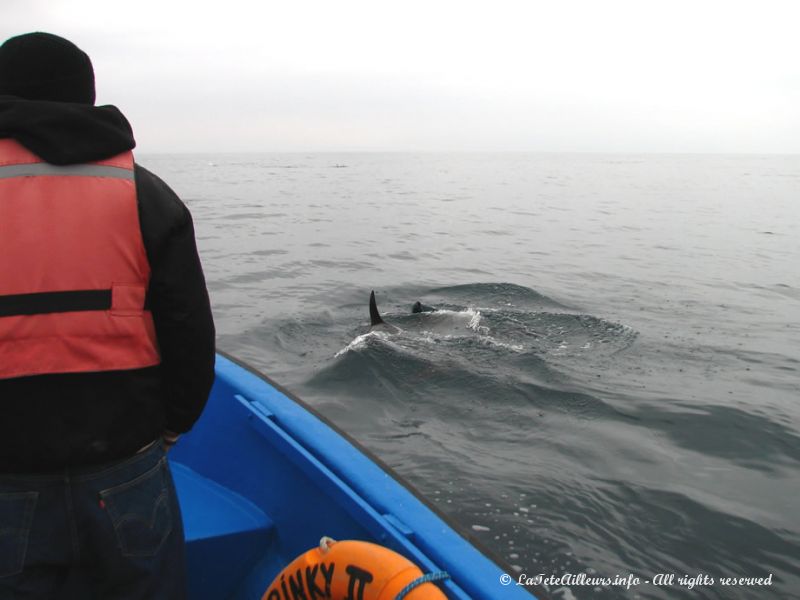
374 315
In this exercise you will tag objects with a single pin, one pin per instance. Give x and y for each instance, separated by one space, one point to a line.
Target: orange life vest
73 268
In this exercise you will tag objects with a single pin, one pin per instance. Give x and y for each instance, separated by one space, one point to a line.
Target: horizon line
559 152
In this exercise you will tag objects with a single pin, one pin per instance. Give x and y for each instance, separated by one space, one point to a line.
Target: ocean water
610 384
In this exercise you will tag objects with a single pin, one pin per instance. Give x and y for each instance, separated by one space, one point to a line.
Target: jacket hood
65 133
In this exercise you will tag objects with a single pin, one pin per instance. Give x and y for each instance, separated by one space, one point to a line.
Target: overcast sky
440 75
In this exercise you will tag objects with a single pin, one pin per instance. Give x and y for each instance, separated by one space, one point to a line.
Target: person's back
106 340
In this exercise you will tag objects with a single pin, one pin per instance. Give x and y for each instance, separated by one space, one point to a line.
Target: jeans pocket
140 511
16 516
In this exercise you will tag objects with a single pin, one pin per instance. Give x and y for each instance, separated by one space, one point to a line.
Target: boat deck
226 534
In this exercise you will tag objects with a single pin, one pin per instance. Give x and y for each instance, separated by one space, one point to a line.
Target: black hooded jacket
51 422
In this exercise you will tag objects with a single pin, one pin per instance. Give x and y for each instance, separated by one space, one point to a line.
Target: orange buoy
350 570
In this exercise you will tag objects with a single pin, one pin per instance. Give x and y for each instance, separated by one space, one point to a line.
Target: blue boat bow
262 477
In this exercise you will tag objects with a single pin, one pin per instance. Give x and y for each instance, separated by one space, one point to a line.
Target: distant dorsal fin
374 315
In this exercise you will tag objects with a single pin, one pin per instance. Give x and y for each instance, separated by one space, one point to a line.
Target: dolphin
419 307
375 320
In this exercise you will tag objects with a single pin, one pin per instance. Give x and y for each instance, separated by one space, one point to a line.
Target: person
106 341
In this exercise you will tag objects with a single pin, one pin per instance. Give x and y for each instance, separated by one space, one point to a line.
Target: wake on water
501 317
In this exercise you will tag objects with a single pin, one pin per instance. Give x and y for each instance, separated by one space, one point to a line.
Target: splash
475 321
361 342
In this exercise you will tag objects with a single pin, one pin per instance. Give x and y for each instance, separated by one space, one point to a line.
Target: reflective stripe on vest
73 268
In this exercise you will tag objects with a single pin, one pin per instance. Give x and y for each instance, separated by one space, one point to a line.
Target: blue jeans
112 532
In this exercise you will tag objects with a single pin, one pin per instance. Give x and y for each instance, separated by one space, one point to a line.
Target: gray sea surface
610 384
